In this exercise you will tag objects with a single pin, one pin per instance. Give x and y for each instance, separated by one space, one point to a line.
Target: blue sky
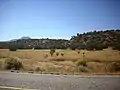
56 18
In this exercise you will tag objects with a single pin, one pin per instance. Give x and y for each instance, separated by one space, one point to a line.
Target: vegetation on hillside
96 40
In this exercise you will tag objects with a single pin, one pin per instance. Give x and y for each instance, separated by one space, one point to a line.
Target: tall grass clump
13 63
81 62
82 69
114 66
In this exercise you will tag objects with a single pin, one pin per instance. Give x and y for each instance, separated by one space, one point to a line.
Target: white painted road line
14 88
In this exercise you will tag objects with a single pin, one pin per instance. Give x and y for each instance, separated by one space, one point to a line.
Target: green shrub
62 54
78 52
57 53
81 62
13 63
52 51
13 47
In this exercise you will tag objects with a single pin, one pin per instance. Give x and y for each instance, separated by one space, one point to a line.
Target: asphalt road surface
60 82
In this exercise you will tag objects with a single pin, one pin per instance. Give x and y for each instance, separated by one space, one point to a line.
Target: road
60 82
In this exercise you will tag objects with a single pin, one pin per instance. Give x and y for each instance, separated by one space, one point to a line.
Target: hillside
96 40
36 44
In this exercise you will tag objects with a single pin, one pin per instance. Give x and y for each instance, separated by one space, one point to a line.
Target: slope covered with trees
96 40
36 44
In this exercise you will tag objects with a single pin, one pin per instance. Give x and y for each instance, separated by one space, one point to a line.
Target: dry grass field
41 61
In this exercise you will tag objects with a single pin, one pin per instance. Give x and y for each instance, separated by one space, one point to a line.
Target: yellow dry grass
68 54
33 59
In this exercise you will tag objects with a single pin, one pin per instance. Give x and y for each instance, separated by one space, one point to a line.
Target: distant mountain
13 40
26 38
